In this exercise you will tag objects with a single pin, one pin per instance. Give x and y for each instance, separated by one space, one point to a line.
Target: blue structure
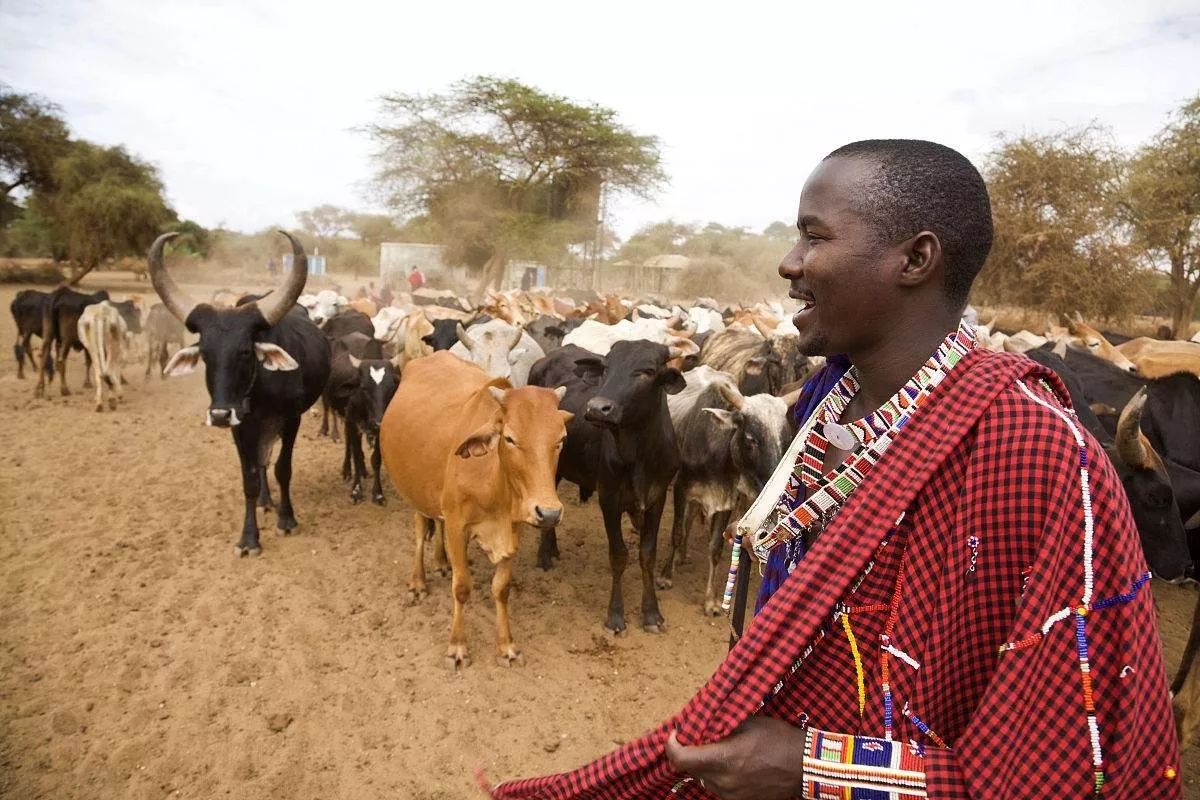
316 264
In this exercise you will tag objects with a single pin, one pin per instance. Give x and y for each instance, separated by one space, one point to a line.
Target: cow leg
333 432
286 519
354 445
324 429
19 350
507 652
162 360
61 352
439 547
718 522
87 366
376 465
456 547
618 557
417 588
652 618
678 535
246 441
547 548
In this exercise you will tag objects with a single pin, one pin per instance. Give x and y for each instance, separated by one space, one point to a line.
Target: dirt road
140 659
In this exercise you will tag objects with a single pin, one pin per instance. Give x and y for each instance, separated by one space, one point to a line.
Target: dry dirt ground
140 659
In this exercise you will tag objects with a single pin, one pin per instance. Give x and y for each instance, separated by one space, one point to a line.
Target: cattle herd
479 412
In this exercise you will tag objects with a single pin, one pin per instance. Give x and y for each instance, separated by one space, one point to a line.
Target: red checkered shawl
982 470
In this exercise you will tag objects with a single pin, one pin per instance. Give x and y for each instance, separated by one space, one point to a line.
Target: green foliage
106 203
32 139
1059 243
500 169
373 230
31 235
325 221
1162 206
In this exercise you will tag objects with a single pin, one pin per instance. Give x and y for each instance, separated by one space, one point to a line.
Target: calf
162 330
466 448
729 445
361 384
631 456
265 362
60 330
339 324
102 331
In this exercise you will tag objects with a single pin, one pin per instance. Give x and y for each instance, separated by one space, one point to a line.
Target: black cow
162 330
1106 388
753 361
344 323
444 336
27 309
129 314
729 445
60 329
548 332
264 364
629 451
1146 478
361 384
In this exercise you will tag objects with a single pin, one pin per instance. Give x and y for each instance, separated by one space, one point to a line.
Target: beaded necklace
866 440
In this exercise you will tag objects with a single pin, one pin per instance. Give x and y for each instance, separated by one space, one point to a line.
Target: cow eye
647 373
510 440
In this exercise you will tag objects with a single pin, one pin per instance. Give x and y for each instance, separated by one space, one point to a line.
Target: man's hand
761 760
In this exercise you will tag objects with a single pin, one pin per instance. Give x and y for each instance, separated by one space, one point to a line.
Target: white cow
323 306
502 350
102 332
599 338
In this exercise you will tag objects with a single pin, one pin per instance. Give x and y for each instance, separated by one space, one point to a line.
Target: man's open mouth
806 299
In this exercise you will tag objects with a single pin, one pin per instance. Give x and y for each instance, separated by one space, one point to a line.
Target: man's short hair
925 186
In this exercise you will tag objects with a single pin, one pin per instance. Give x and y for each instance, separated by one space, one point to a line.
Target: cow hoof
656 628
457 659
112 405
416 593
377 499
286 525
712 608
67 392
99 408
545 564
616 626
663 582
511 659
241 551
356 495
653 623
446 571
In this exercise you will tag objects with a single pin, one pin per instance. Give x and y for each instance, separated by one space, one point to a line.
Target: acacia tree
32 138
105 203
1163 209
1060 244
502 170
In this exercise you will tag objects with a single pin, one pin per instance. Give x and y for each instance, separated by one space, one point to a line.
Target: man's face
835 268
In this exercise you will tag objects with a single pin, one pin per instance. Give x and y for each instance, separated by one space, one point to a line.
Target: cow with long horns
265 363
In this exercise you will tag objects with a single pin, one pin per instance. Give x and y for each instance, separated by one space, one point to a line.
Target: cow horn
174 298
762 329
1132 446
275 306
731 395
463 338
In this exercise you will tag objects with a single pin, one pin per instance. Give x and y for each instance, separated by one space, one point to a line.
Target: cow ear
672 380
479 443
274 357
589 367
724 418
185 360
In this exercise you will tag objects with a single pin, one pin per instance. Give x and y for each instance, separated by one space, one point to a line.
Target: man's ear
274 357
481 442
922 259
185 360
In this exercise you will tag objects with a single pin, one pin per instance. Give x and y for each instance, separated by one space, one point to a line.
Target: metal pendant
840 436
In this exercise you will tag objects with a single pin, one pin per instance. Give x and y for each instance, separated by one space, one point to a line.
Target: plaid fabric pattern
988 551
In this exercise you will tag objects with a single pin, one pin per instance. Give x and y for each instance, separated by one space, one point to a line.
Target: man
416 279
955 604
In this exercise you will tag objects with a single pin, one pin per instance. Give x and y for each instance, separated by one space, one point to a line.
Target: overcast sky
249 108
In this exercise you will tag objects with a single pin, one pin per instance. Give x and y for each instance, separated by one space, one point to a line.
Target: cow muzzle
223 418
546 516
602 411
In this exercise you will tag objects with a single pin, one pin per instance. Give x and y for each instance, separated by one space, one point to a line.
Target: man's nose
792 266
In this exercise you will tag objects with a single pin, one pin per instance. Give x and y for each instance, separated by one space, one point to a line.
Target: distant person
416 279
272 266
385 295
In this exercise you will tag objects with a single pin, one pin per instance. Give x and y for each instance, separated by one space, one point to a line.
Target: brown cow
1084 335
1155 358
482 458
